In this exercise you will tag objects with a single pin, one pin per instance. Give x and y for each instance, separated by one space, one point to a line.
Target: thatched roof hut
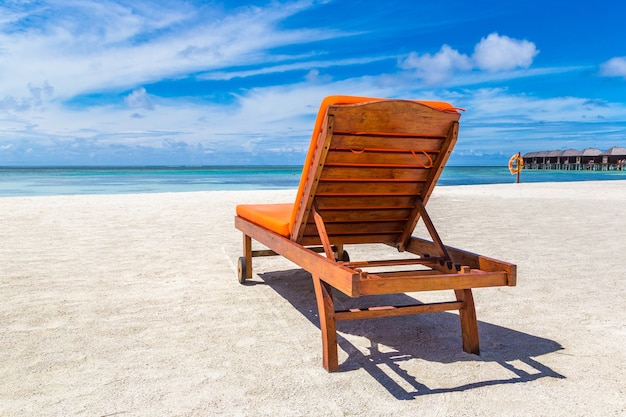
590 156
553 156
614 158
532 155
572 152
544 157
615 151
613 155
591 152
572 156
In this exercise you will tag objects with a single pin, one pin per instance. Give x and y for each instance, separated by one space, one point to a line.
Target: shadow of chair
435 340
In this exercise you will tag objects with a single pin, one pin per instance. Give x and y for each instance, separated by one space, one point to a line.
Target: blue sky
172 82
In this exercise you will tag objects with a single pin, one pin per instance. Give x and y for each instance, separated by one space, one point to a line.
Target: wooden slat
354 228
269 252
390 135
374 284
390 173
349 141
368 188
369 214
356 202
393 117
389 239
400 274
391 262
393 311
368 180
377 158
263 252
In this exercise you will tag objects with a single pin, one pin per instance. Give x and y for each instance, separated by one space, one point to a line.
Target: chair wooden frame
370 171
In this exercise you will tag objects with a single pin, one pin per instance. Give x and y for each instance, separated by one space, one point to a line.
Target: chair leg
247 254
328 325
469 324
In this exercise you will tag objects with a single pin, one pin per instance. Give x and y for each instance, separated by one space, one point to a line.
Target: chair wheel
242 270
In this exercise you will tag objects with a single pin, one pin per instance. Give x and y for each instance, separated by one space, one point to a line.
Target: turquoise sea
42 181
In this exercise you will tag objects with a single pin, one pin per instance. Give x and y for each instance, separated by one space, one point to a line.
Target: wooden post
469 324
519 166
328 325
467 314
247 253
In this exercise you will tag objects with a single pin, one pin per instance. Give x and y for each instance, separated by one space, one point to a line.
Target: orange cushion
274 217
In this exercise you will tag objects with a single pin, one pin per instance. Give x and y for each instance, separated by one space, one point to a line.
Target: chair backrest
372 164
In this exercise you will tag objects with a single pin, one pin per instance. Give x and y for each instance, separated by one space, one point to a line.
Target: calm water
90 180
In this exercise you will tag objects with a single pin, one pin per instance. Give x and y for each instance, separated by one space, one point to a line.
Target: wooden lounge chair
370 169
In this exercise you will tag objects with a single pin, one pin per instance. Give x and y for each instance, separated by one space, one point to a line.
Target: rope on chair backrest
414 152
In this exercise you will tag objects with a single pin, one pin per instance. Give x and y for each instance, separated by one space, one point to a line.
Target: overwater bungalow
572 158
616 156
589 159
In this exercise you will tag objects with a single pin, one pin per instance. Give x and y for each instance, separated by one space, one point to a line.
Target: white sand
128 305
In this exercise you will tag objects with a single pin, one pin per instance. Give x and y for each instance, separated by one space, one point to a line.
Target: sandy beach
129 305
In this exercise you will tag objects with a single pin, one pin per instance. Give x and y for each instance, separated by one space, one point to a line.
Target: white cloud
504 108
614 67
31 100
94 46
279 119
498 121
501 53
305 63
494 53
439 67
139 98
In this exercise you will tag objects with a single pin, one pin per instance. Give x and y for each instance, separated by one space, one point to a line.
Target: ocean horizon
74 180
